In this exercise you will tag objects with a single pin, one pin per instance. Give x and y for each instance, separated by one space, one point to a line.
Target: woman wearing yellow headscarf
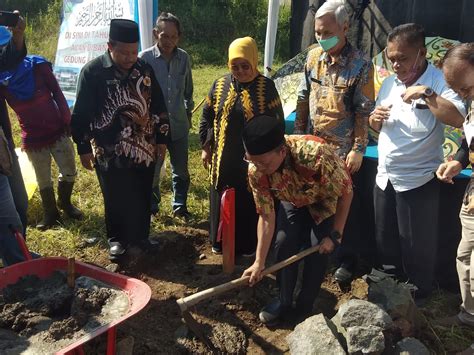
234 99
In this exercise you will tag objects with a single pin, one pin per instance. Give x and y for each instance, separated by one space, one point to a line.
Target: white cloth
410 142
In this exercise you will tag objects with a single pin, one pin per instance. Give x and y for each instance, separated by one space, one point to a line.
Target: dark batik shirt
335 99
120 118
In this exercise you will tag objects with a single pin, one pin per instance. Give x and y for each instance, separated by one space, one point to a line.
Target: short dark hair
168 17
410 33
462 51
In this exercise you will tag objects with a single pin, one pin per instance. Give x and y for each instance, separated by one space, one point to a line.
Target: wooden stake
71 277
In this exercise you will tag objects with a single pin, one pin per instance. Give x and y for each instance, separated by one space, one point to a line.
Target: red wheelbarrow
139 293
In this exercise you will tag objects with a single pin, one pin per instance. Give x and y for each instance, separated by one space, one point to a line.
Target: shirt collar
107 61
342 59
157 52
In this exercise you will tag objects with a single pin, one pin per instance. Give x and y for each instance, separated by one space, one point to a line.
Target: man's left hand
326 246
354 161
413 93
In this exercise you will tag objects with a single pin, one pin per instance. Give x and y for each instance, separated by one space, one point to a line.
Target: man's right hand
255 273
447 171
378 116
87 161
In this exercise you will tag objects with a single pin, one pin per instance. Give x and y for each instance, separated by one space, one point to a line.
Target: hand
206 158
469 208
19 29
354 161
326 246
255 273
413 93
160 152
447 171
379 115
87 161
190 119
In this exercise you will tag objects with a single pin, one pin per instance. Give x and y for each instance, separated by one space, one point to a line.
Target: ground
176 270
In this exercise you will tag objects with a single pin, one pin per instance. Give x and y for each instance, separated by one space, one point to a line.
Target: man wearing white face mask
335 98
412 107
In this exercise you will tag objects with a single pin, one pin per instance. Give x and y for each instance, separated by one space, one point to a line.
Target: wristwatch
335 237
428 92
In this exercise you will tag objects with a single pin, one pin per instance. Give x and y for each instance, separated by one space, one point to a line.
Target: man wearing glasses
412 107
314 192
335 98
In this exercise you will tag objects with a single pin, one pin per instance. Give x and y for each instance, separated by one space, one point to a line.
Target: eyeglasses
243 67
257 164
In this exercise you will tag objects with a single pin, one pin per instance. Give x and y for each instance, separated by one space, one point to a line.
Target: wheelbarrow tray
139 293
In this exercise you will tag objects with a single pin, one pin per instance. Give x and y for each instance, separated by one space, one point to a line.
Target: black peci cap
125 31
262 134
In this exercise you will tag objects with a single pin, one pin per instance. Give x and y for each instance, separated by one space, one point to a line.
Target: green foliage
42 28
210 26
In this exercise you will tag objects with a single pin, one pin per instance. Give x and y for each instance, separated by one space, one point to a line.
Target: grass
70 239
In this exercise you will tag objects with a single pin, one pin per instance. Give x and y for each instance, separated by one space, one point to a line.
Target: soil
183 264
45 315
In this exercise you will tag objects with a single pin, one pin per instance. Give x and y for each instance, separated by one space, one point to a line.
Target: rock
316 335
112 267
361 313
397 301
359 289
411 346
202 256
365 339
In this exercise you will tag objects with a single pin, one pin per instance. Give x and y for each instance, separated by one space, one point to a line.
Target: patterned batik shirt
311 175
259 97
123 117
336 98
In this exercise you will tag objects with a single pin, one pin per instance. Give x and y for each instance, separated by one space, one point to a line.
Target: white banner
83 36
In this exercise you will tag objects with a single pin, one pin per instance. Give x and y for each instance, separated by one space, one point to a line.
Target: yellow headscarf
245 48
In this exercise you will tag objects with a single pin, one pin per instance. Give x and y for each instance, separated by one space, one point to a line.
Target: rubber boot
64 200
50 211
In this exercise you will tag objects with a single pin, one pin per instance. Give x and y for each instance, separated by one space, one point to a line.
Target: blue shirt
410 142
176 82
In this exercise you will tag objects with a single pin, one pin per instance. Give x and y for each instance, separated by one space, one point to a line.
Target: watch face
428 92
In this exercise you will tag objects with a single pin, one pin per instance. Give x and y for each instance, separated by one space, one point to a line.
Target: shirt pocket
422 121
333 100
179 82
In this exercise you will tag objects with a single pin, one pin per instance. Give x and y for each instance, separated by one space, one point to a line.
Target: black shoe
343 275
274 312
183 213
116 249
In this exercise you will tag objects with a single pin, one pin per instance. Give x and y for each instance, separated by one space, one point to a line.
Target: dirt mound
47 311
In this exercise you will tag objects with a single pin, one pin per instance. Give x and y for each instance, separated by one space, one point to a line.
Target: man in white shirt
411 110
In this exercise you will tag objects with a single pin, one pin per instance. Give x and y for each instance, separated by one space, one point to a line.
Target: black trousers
127 199
296 230
406 231
358 239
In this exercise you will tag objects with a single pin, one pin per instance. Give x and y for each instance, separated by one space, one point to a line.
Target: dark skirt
246 219
127 198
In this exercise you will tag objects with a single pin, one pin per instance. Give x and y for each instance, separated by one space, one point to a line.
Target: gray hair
335 7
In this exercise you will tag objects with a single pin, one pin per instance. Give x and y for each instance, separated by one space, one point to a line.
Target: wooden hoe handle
186 302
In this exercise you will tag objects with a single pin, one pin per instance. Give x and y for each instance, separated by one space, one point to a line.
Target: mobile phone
9 19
